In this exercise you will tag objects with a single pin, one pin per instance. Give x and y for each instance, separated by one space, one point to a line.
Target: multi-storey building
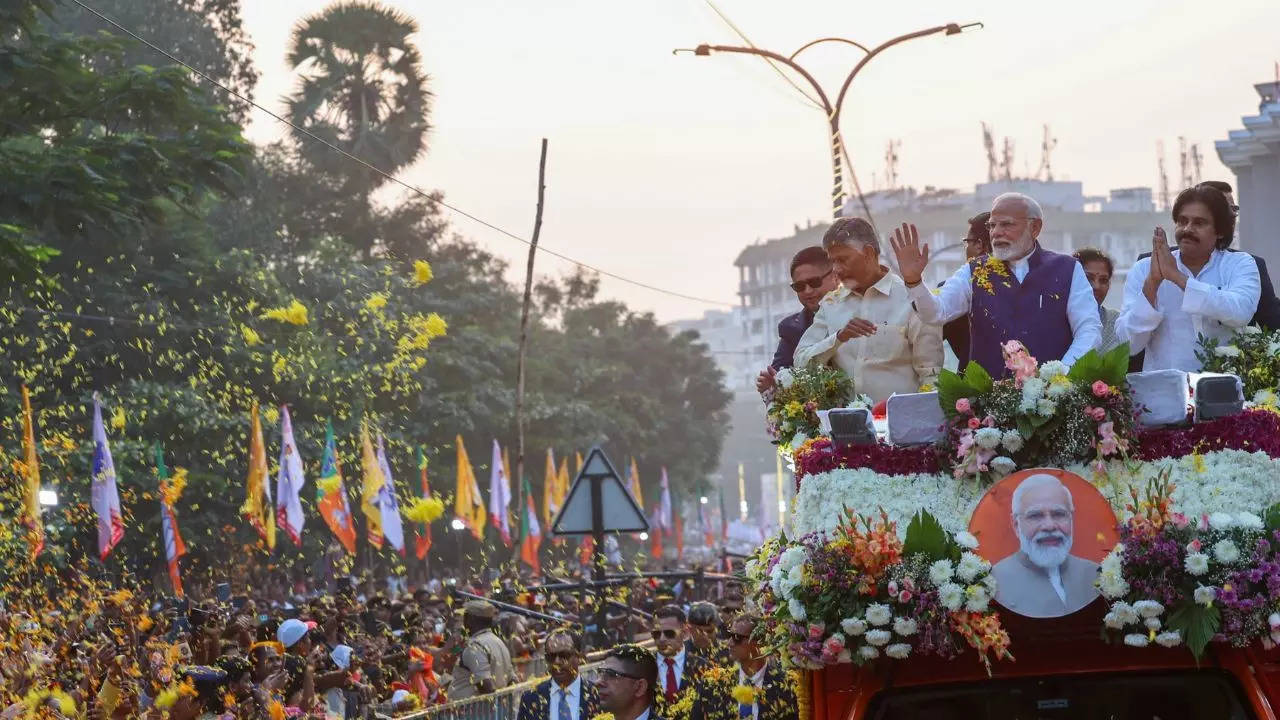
1253 154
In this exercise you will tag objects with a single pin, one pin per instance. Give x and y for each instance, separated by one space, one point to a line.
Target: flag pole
524 335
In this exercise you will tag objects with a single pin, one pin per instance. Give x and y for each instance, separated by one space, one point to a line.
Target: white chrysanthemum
879 614
1053 369
1112 584
898 651
791 557
1248 521
976 599
1251 330
1125 612
1058 388
1169 638
966 540
1012 440
1114 561
1046 407
1266 396
1136 640
940 572
853 626
866 652
1226 552
988 437
784 378
878 638
1151 623
1221 521
1148 608
1274 347
1227 351
796 608
1113 621
1197 563
799 439
971 566
905 626
951 596
1003 465
1205 595
1032 390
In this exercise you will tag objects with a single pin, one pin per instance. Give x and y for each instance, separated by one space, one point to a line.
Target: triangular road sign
618 510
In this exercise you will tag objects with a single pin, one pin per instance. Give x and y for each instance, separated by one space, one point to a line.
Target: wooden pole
524 342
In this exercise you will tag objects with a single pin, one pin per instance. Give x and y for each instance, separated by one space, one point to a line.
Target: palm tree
362 89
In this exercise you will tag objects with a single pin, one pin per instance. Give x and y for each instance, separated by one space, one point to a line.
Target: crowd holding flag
174 548
388 505
468 504
257 504
422 543
370 486
31 475
104 495
530 531
499 495
550 490
289 482
331 495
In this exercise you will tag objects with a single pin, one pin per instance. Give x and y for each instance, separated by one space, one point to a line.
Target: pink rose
1097 413
988 421
962 406
909 584
974 423
893 587
1180 520
905 596
816 631
1204 521
1100 388
1194 545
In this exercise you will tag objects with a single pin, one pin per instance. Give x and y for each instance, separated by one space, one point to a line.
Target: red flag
530 533
587 550
423 542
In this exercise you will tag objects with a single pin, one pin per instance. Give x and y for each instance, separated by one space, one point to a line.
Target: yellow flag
635 484
577 467
468 505
550 484
260 514
370 487
31 473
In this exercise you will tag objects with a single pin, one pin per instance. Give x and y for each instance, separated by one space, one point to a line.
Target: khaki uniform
484 658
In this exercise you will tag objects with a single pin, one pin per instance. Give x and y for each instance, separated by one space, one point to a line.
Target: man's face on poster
1043 521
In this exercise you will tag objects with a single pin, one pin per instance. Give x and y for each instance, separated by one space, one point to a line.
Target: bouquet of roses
1251 354
863 593
1176 580
798 394
1041 415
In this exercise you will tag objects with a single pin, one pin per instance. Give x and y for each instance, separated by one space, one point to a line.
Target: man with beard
1020 292
1201 289
1043 579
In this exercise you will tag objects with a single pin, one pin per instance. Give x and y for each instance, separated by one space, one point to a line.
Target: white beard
1016 250
1046 557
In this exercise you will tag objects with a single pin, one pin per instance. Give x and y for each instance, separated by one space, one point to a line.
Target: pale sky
662 167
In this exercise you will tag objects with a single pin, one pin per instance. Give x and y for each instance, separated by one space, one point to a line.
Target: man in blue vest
1020 291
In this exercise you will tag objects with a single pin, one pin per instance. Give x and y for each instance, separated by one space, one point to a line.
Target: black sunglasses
811 283
668 634
611 674
735 638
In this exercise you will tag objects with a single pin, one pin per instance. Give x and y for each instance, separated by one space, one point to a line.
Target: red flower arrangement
1251 430
819 455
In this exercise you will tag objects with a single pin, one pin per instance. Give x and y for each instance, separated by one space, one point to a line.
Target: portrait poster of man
1044 531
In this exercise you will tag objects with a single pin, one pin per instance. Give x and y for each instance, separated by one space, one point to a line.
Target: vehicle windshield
1127 696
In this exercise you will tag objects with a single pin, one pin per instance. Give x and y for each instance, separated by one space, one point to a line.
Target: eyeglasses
811 283
668 634
1002 225
736 638
611 674
559 657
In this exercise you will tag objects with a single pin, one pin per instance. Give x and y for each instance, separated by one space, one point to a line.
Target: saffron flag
388 506
530 532
289 482
562 491
587 550
499 495
468 505
550 488
635 485
174 548
707 535
257 506
104 494
31 474
370 486
331 494
577 463
423 542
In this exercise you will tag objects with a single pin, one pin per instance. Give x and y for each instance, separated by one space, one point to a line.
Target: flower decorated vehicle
797 397
878 594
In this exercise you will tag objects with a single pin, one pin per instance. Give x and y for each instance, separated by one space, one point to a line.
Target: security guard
485 665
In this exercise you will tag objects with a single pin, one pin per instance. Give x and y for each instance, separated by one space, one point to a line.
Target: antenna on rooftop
1046 148
1006 160
1196 160
891 165
1164 176
990 143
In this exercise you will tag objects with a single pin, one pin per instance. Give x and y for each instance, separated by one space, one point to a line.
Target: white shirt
756 681
662 670
572 695
644 715
903 354
956 297
1219 300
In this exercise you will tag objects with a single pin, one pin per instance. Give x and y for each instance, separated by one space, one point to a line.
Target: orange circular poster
1044 531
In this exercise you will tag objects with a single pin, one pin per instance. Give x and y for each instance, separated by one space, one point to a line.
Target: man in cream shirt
867 326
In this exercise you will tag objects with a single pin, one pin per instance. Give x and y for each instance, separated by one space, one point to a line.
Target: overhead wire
412 188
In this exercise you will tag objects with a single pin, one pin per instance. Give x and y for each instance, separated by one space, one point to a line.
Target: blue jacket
790 329
535 704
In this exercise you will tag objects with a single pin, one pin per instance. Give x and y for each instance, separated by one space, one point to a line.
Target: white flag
662 513
289 482
392 528
104 495
499 495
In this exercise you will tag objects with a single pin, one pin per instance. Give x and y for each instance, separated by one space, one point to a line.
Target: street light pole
832 110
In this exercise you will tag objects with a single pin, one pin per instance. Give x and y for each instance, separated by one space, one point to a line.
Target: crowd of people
886 329
355 650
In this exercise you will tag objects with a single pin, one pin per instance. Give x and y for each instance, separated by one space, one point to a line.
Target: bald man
1043 579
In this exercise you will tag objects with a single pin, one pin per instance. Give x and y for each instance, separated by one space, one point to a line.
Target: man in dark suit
976 242
565 696
811 279
627 681
772 690
678 669
704 634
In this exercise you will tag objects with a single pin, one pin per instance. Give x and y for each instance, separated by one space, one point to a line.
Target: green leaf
1025 428
1087 369
1272 518
951 387
1198 624
925 535
978 378
1115 365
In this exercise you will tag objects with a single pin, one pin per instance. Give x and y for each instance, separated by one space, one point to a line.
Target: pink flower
816 631
962 406
965 444
1100 388
905 596
1097 413
1194 545
1108 443
1181 521
909 584
893 587
988 421
1204 521
974 423
1017 360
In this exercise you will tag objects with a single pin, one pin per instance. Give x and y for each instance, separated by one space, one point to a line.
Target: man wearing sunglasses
704 627
774 697
677 668
977 242
812 277
626 682
565 696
